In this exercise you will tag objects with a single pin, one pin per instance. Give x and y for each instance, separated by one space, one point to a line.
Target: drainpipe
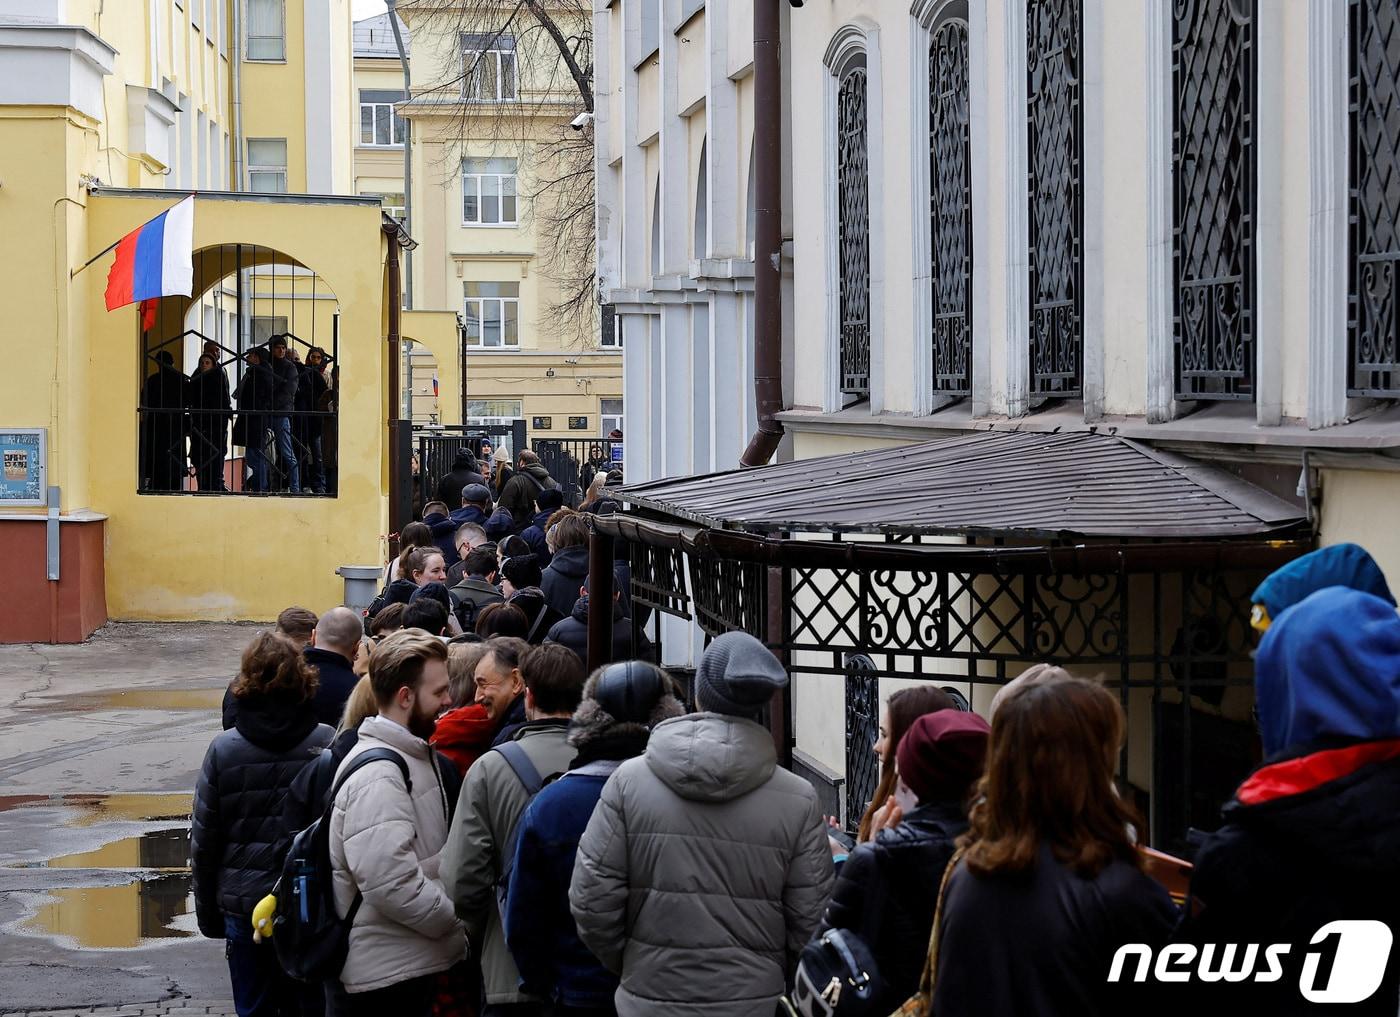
767 267
236 52
407 157
396 520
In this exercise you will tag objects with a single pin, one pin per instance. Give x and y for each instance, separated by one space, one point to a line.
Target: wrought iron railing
574 462
951 228
853 204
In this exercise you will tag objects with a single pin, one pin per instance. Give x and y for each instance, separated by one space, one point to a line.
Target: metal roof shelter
996 483
963 562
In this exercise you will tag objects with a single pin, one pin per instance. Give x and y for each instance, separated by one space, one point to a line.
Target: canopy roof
990 483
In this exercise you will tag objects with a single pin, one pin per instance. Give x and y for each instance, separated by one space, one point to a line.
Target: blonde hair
462 659
1030 676
359 705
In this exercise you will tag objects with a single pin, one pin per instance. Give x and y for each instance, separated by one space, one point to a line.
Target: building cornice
54 65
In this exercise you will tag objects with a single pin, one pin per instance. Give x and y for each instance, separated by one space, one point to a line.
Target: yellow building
106 119
485 109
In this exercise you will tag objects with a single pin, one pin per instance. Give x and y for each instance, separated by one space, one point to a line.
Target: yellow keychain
262 918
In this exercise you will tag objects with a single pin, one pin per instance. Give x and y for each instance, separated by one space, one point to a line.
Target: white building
674 137
1174 222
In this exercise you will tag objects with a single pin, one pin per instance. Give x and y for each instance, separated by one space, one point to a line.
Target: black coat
286 379
449 488
512 722
237 837
887 892
567 572
542 617
1042 942
573 633
1300 855
338 680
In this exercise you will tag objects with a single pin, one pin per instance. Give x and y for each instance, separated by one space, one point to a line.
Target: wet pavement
102 744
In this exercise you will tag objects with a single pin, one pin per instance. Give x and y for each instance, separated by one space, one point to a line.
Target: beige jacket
388 846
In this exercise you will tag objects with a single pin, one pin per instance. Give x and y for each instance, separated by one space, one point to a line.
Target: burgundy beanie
942 755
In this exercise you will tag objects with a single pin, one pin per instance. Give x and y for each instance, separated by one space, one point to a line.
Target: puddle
90 810
159 849
151 699
117 917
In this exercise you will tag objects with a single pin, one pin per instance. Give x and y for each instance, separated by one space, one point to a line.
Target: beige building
476 139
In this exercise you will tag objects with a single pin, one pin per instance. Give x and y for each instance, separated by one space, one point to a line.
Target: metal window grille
228 428
1213 163
951 211
1374 242
862 730
853 198
1056 220
574 462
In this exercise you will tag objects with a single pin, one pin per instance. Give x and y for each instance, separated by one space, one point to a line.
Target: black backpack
311 939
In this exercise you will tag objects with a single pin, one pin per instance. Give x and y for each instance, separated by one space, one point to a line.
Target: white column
1092 183
1328 144
1268 226
320 111
1017 264
1161 353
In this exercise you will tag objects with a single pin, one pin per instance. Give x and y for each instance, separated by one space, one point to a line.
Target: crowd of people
555 844
285 410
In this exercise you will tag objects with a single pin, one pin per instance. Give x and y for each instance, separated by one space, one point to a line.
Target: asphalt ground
101 746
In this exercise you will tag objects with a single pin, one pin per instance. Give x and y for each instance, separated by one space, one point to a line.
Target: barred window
950 210
1056 222
853 210
1213 174
1374 237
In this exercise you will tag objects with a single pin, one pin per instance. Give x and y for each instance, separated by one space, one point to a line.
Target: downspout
396 522
236 53
407 157
767 267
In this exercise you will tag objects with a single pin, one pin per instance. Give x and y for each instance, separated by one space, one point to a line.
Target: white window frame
487 421
608 421
501 304
249 38
398 127
477 182
267 169
396 209
500 52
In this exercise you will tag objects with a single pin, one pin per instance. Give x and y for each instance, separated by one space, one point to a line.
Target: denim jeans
282 431
260 987
255 457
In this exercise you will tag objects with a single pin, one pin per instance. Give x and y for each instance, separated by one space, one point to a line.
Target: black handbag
837 977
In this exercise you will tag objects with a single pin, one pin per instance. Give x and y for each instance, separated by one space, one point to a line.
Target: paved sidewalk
170 1008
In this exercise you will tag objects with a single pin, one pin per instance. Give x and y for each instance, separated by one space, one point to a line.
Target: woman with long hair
899 713
415 534
210 410
1050 881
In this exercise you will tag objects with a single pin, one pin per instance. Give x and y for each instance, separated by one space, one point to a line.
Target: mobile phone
841 837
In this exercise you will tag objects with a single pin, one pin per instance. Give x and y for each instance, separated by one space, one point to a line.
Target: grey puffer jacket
703 872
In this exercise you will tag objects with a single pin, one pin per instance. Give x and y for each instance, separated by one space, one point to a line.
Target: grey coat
703 872
488 808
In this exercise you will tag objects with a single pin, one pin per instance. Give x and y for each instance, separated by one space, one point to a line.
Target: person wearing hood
237 838
1334 565
1313 835
548 502
533 604
494 796
465 731
712 924
621 704
573 630
465 471
887 891
519 494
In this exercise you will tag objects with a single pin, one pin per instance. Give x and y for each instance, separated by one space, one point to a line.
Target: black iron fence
574 462
436 448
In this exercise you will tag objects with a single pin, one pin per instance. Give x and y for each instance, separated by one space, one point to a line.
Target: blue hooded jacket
1329 669
1335 565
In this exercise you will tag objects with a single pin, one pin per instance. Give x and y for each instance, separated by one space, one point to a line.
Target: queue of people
531 841
285 408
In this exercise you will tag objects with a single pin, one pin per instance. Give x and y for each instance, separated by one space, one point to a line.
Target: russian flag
155 260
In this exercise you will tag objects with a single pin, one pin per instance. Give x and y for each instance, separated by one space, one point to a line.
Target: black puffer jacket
237 840
567 572
573 633
887 892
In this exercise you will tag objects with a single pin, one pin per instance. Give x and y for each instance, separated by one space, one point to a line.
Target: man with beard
386 838
496 791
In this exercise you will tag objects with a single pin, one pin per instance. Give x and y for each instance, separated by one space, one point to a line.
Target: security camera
581 121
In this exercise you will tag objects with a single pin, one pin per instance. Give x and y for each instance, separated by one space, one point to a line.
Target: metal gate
574 462
862 729
437 446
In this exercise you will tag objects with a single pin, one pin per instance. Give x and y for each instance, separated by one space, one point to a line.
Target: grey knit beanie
737 676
